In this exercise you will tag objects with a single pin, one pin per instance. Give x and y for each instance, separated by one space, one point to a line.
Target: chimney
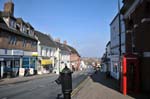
65 42
57 40
9 7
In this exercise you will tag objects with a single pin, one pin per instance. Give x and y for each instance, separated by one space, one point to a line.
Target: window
41 50
12 40
24 43
24 29
46 51
50 52
18 27
115 65
33 44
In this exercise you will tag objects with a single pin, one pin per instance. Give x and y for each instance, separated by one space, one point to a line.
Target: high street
39 88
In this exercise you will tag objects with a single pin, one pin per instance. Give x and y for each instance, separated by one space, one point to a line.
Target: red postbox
130 74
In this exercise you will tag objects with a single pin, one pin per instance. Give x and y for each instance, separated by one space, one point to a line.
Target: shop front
1 67
47 65
29 64
9 66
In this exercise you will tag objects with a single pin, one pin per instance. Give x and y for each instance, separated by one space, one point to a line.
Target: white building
106 65
46 53
62 57
114 27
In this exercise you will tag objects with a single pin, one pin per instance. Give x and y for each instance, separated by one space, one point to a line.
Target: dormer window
24 29
12 23
18 27
28 31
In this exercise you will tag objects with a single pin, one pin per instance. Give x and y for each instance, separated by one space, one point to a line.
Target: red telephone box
130 74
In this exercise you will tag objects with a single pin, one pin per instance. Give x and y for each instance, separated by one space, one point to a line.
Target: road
43 88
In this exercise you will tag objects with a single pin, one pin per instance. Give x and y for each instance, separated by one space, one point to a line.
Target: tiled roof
45 39
63 47
3 26
73 50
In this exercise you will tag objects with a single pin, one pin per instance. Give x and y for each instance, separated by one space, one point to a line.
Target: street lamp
119 19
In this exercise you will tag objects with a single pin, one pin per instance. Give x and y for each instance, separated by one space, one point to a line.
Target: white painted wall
115 45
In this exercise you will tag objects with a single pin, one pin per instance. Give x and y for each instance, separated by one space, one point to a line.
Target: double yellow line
77 89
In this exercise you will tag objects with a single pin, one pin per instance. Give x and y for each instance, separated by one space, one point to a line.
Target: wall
4 42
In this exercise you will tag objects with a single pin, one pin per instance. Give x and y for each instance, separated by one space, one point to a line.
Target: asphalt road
43 88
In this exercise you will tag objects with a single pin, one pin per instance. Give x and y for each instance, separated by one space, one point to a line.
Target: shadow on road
109 82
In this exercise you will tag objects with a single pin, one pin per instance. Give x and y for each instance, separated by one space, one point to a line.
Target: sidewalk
100 87
6 81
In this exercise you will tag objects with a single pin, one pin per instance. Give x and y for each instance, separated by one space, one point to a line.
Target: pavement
98 86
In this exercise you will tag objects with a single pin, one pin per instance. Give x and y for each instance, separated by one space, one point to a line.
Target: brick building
136 14
74 59
18 43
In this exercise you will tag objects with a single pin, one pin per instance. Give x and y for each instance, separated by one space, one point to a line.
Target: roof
73 50
20 20
3 26
63 47
45 39
108 43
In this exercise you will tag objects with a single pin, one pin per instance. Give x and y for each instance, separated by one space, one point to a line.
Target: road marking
77 89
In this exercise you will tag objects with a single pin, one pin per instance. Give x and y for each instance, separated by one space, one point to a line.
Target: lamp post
59 60
120 53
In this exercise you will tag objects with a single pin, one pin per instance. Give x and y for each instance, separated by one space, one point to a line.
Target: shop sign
21 71
35 54
17 52
31 71
46 62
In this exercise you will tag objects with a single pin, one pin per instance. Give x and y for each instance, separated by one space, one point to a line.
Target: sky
84 24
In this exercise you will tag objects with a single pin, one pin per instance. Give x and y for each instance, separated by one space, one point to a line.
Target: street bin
65 79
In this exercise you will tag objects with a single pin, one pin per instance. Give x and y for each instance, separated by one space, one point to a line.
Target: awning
46 62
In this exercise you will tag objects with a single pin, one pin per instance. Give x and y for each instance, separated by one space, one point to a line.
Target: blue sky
83 23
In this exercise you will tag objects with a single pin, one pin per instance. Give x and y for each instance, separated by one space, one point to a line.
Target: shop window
17 64
8 66
32 62
25 62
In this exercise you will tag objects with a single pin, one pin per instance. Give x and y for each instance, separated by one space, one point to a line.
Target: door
130 75
1 69
133 75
